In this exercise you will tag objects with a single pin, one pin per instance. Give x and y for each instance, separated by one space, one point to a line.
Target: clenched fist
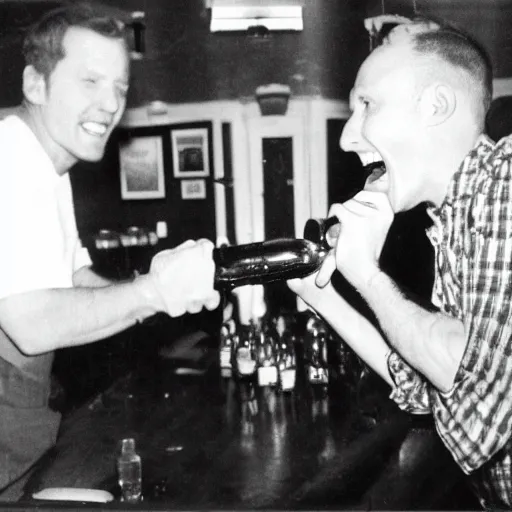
365 221
184 277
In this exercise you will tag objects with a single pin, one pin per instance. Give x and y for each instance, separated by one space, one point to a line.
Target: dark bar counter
205 446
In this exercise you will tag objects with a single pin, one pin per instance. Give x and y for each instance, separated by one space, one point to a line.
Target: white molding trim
291 125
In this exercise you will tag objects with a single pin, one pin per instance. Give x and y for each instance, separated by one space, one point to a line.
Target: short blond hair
43 45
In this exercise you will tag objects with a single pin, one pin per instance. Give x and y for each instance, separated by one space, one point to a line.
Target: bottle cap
128 445
322 231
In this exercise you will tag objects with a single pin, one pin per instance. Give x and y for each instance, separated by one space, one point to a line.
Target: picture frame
141 165
193 189
190 153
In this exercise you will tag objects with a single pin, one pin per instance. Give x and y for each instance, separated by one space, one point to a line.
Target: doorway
279 192
279 210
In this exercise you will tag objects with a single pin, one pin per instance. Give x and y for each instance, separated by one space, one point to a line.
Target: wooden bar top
204 445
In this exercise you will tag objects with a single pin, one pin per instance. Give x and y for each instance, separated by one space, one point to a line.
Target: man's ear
437 104
34 86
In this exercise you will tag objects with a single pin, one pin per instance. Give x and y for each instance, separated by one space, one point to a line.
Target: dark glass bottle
323 232
109 256
266 262
287 362
267 344
227 347
244 363
316 358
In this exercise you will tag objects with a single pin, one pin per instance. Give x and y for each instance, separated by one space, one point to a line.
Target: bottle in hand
129 470
266 262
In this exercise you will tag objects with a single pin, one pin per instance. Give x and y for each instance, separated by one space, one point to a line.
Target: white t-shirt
39 243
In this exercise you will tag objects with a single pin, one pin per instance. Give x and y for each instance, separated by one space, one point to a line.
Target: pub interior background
263 176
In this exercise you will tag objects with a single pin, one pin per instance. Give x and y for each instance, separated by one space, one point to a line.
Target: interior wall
185 62
488 21
14 18
97 187
99 203
306 120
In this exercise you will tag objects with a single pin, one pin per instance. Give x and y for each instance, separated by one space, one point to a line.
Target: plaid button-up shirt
472 238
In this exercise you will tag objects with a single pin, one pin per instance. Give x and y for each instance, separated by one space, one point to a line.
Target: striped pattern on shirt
472 238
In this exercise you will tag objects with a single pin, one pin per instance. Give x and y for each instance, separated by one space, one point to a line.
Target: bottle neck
128 447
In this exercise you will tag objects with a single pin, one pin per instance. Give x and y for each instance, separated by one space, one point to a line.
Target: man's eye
90 81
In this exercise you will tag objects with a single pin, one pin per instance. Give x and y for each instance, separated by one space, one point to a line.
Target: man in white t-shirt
74 86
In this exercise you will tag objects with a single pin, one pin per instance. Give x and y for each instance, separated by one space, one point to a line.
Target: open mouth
95 129
374 171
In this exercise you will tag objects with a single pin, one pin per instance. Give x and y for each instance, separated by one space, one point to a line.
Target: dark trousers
28 428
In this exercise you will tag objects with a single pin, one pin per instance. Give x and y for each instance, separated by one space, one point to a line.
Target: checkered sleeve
474 418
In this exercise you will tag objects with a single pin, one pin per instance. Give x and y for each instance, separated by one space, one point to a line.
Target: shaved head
446 54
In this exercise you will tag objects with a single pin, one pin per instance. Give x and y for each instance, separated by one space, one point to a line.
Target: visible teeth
369 158
94 128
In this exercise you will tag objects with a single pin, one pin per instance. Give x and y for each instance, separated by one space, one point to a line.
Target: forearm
357 332
85 277
44 320
433 343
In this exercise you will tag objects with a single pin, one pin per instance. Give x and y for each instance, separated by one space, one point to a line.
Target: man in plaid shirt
419 105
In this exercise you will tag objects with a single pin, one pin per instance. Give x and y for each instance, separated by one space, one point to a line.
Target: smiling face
386 124
84 97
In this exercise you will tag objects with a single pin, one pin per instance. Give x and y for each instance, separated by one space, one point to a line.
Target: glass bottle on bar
315 355
287 361
244 363
266 339
129 470
226 351
318 370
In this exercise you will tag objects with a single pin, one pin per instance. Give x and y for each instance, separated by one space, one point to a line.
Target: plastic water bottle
129 470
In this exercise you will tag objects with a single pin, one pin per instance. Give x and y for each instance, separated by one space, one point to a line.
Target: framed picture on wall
190 154
141 165
193 189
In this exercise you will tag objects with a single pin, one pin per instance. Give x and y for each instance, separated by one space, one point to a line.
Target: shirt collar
46 164
470 165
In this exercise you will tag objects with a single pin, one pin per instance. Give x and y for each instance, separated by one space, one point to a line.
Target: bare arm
352 326
180 281
85 277
432 343
44 320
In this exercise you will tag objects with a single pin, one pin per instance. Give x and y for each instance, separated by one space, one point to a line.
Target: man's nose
110 100
351 134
